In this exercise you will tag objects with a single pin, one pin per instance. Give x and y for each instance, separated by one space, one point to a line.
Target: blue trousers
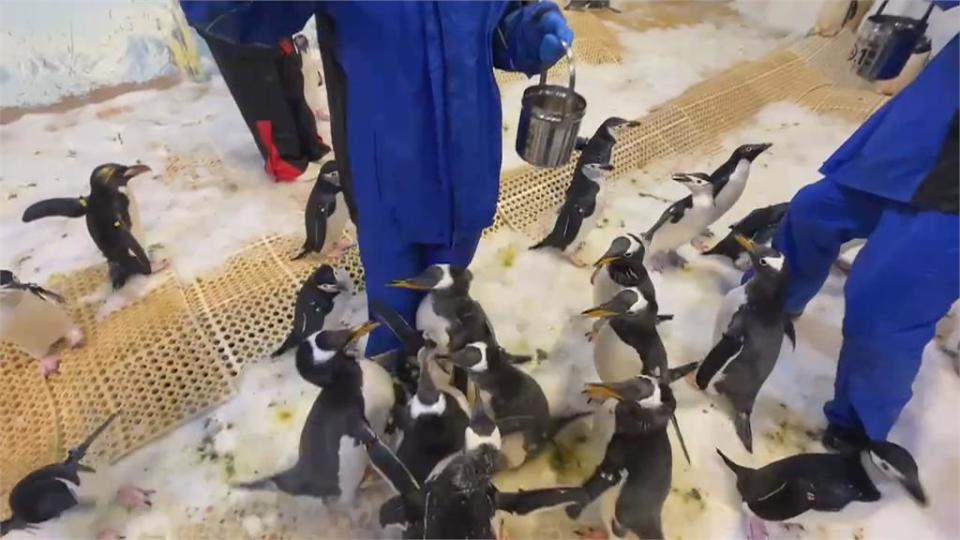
902 282
387 257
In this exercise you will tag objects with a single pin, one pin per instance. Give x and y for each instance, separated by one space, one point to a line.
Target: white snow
532 298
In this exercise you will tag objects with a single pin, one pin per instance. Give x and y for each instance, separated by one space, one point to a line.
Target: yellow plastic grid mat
175 352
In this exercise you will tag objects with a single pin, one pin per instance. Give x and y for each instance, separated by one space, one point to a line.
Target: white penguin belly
670 236
614 359
732 191
432 325
312 91
352 463
32 324
604 287
335 224
730 304
608 505
378 396
136 228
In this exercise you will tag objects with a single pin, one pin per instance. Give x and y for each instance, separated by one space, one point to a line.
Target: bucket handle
570 66
923 20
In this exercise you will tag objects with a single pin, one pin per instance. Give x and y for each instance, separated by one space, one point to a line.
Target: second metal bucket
550 118
885 43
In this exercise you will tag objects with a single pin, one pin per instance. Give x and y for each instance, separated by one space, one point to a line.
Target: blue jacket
892 153
423 108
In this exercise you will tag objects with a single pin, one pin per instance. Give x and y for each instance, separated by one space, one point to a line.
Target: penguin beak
423 282
599 312
606 167
85 468
131 171
362 330
915 489
745 243
600 392
680 177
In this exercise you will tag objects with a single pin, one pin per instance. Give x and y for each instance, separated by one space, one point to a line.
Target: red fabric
280 170
286 46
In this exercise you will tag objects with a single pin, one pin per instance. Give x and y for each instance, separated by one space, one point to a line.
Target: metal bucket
885 43
550 118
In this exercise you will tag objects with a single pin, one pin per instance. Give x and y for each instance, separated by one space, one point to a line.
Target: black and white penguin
634 476
33 319
686 219
581 206
49 491
599 147
629 344
747 352
109 212
621 267
759 226
791 486
324 294
326 213
355 400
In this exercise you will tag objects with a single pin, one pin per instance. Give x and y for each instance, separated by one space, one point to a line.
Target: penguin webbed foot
49 365
754 527
132 497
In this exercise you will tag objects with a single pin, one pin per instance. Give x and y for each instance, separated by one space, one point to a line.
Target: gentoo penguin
687 218
459 499
621 267
599 147
748 349
827 482
629 344
516 400
323 294
634 476
759 226
356 399
108 212
32 318
49 491
581 206
325 214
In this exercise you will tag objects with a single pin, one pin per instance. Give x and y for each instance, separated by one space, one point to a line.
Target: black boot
844 440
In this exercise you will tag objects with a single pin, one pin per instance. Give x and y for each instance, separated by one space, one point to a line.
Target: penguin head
476 357
628 246
766 260
696 182
301 42
750 152
888 463
328 279
330 173
644 404
7 278
114 175
428 400
437 277
482 430
321 355
611 127
629 301
596 171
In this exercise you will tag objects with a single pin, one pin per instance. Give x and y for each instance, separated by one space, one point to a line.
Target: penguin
759 226
324 294
581 206
352 408
589 5
621 267
33 319
747 352
633 478
516 400
326 213
794 485
49 491
312 78
629 344
109 212
459 498
687 218
599 147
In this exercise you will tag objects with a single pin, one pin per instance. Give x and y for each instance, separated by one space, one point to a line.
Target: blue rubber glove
530 39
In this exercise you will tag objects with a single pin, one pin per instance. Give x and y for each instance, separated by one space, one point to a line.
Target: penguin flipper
741 421
386 462
727 348
526 501
664 318
62 206
411 339
581 141
291 340
680 372
787 500
38 291
673 214
555 238
791 332
129 242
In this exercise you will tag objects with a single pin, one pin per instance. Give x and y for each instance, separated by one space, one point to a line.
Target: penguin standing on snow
326 213
759 226
629 344
108 213
621 267
49 491
686 219
351 410
747 352
581 207
827 482
32 318
634 476
322 295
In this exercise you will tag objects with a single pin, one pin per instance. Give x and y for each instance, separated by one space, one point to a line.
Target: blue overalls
907 275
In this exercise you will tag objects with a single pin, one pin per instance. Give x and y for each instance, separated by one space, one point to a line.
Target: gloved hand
531 38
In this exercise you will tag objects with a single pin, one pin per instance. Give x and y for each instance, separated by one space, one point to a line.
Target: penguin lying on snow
634 477
687 218
32 318
352 408
621 267
49 491
759 226
325 214
826 482
517 401
322 295
747 352
581 206
458 499
108 211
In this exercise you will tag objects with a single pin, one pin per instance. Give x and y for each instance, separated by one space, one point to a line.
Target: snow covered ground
532 298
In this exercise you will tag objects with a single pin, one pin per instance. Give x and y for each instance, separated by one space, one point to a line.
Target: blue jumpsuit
423 118
907 275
